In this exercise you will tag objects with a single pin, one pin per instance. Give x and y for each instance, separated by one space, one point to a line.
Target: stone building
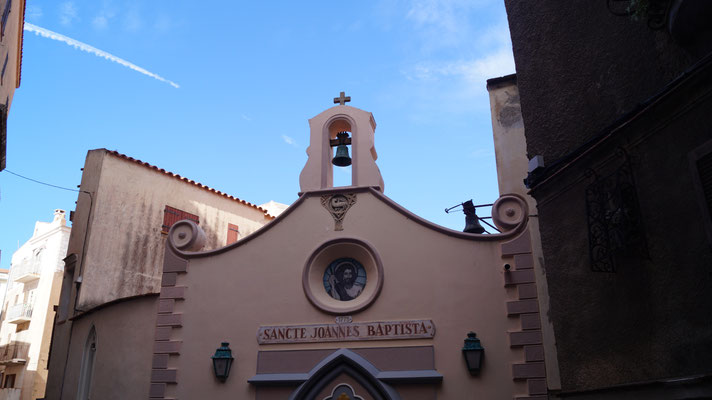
11 34
616 99
125 208
345 295
32 292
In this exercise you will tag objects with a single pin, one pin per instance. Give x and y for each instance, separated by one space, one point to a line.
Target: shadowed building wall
620 111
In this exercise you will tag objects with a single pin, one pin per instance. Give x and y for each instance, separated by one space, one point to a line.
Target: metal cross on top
342 99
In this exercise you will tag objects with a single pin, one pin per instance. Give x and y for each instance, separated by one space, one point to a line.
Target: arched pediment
344 361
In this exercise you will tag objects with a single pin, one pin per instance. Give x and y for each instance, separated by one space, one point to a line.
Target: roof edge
376 192
184 179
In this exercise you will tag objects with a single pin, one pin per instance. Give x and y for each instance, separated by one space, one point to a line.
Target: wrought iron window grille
615 228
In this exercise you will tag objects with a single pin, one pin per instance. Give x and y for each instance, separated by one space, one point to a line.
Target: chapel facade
345 295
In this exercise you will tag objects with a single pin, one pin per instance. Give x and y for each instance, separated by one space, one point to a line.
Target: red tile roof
21 44
186 180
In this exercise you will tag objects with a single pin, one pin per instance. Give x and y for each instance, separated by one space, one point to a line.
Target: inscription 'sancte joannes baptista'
382 330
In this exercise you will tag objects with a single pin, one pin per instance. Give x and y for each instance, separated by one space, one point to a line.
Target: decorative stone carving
338 205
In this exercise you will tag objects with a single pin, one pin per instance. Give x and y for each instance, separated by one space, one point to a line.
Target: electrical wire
40 182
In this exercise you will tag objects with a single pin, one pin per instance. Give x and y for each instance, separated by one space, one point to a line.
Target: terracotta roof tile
22 44
184 179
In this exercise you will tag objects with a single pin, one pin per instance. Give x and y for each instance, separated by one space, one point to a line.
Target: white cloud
93 50
132 21
33 12
480 53
496 35
100 22
245 117
477 71
443 23
105 15
290 141
68 13
163 24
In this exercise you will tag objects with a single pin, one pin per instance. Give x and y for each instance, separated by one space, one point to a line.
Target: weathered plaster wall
579 67
122 367
124 247
11 46
510 149
510 146
457 283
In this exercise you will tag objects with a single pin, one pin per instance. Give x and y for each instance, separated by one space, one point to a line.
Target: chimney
60 217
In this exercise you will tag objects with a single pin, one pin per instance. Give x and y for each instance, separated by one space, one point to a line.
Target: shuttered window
172 215
232 233
5 15
4 67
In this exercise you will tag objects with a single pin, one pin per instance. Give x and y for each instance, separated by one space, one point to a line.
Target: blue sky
250 75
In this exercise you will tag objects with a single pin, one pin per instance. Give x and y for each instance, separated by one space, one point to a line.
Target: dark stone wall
579 67
649 320
579 70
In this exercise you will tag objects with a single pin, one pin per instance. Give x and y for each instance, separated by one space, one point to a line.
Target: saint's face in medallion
344 279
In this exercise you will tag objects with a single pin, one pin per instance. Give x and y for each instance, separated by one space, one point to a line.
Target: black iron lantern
474 353
222 360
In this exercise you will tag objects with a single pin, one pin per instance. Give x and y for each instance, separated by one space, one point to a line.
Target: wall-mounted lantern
474 353
222 360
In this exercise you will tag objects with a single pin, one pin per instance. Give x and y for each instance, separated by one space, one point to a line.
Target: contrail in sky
93 50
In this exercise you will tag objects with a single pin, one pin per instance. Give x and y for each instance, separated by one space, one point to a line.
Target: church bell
472 222
342 158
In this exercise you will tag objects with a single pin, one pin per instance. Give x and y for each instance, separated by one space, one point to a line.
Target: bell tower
341 126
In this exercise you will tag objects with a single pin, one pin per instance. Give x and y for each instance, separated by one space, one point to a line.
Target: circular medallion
345 279
343 276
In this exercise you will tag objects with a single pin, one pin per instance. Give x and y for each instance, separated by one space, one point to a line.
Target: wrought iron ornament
656 11
614 223
338 205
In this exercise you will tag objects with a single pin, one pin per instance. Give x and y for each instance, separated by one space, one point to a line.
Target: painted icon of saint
345 279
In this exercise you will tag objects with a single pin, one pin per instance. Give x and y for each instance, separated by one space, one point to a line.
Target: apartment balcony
14 353
25 273
10 394
19 313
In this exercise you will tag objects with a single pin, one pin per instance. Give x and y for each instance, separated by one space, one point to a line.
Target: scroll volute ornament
509 212
186 235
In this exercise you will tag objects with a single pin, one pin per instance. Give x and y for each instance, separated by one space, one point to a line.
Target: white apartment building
33 288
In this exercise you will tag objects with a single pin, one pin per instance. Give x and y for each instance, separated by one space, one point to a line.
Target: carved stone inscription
382 330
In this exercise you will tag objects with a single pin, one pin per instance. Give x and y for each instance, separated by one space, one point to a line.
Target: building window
4 67
5 15
70 262
9 381
615 229
172 215
232 233
87 370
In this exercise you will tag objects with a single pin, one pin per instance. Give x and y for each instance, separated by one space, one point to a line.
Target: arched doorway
347 376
